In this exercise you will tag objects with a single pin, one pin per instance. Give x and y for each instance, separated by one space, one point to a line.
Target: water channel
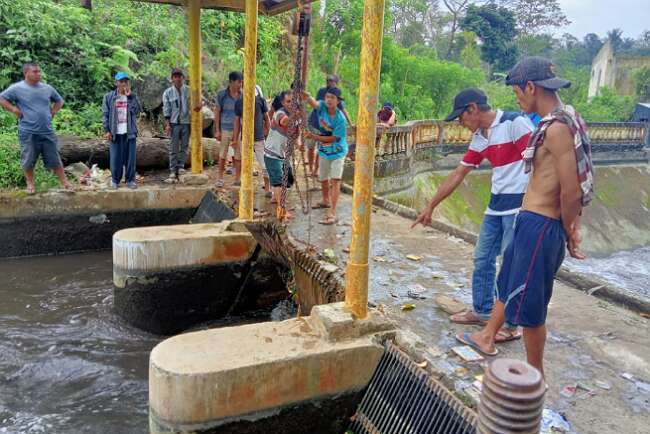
67 363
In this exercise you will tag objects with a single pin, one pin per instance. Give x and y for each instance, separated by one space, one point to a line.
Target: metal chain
297 120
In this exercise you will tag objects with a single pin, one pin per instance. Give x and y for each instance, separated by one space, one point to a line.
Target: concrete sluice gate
320 374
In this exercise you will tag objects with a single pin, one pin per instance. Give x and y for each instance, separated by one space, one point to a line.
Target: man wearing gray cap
558 156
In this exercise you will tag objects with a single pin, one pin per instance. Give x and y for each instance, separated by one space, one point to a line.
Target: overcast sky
599 16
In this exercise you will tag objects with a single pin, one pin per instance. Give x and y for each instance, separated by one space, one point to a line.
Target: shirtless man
560 185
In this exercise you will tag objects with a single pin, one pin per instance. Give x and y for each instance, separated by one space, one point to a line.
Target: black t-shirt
260 109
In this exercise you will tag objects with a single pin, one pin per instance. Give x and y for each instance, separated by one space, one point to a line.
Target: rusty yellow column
196 129
250 55
356 284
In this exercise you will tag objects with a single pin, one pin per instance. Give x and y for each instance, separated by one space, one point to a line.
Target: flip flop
328 221
466 338
321 205
463 318
507 335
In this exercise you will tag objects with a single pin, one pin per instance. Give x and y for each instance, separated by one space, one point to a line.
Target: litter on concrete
414 257
554 422
467 354
408 306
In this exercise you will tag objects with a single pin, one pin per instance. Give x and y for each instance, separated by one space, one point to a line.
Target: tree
456 9
536 16
496 27
642 84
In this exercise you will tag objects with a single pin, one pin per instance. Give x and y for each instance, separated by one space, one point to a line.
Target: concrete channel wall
62 222
424 146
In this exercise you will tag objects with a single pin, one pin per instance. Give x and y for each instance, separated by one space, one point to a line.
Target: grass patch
12 175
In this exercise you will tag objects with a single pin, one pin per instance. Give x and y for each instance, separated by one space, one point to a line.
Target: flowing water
67 363
629 269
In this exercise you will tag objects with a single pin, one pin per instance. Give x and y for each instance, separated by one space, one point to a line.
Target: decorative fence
415 135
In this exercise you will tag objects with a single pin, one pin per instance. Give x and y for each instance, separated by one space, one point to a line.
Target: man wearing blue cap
34 104
120 109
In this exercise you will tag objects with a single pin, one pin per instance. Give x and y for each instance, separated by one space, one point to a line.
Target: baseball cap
333 77
177 71
537 69
388 104
121 75
464 99
335 91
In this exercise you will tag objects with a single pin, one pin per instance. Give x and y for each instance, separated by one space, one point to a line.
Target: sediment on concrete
169 278
589 284
58 222
304 375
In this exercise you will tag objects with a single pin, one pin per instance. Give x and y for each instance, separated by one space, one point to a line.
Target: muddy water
67 364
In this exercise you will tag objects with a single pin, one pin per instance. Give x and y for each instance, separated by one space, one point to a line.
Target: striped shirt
507 139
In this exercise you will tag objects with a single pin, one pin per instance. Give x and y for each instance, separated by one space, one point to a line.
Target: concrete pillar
168 278
272 377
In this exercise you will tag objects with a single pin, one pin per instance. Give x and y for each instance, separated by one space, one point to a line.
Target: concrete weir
64 222
295 376
169 278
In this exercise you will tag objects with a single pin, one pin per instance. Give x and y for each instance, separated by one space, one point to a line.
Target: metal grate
402 398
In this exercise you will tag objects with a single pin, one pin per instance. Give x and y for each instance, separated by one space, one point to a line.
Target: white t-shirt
276 142
122 106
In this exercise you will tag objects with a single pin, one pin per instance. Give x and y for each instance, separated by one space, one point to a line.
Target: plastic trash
554 422
98 219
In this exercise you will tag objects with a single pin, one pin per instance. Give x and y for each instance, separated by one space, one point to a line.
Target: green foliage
642 84
607 106
496 27
11 174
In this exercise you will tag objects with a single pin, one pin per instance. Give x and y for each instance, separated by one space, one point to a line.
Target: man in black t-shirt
262 126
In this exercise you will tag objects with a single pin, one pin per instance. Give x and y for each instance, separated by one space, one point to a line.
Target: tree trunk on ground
151 152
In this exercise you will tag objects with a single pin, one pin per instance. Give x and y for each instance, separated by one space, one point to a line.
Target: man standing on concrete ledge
224 123
120 108
176 109
500 137
559 157
34 104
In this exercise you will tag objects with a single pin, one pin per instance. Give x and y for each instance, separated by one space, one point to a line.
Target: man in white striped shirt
499 137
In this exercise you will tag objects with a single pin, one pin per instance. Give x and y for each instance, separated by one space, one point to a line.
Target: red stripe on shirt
472 158
502 154
522 142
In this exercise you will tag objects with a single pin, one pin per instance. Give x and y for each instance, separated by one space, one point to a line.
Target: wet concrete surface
589 340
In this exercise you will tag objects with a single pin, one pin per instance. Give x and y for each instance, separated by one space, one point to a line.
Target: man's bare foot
30 189
68 186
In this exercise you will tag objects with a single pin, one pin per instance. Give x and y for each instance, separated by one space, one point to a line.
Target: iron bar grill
403 398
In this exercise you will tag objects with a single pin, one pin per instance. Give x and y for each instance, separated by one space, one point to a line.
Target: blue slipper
466 338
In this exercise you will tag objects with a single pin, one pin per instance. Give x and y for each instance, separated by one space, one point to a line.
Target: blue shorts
530 262
275 169
34 145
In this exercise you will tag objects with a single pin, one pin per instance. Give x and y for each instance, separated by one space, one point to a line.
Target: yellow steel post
250 55
196 129
356 284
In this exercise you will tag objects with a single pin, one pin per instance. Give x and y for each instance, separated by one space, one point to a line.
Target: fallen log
151 152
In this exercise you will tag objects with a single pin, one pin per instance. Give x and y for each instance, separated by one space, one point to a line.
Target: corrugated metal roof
266 7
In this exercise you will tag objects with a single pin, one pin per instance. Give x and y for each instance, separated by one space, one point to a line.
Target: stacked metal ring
512 399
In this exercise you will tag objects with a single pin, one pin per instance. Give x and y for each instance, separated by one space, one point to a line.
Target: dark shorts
33 145
530 262
275 169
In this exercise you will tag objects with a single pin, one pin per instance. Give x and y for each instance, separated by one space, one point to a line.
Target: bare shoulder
558 137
